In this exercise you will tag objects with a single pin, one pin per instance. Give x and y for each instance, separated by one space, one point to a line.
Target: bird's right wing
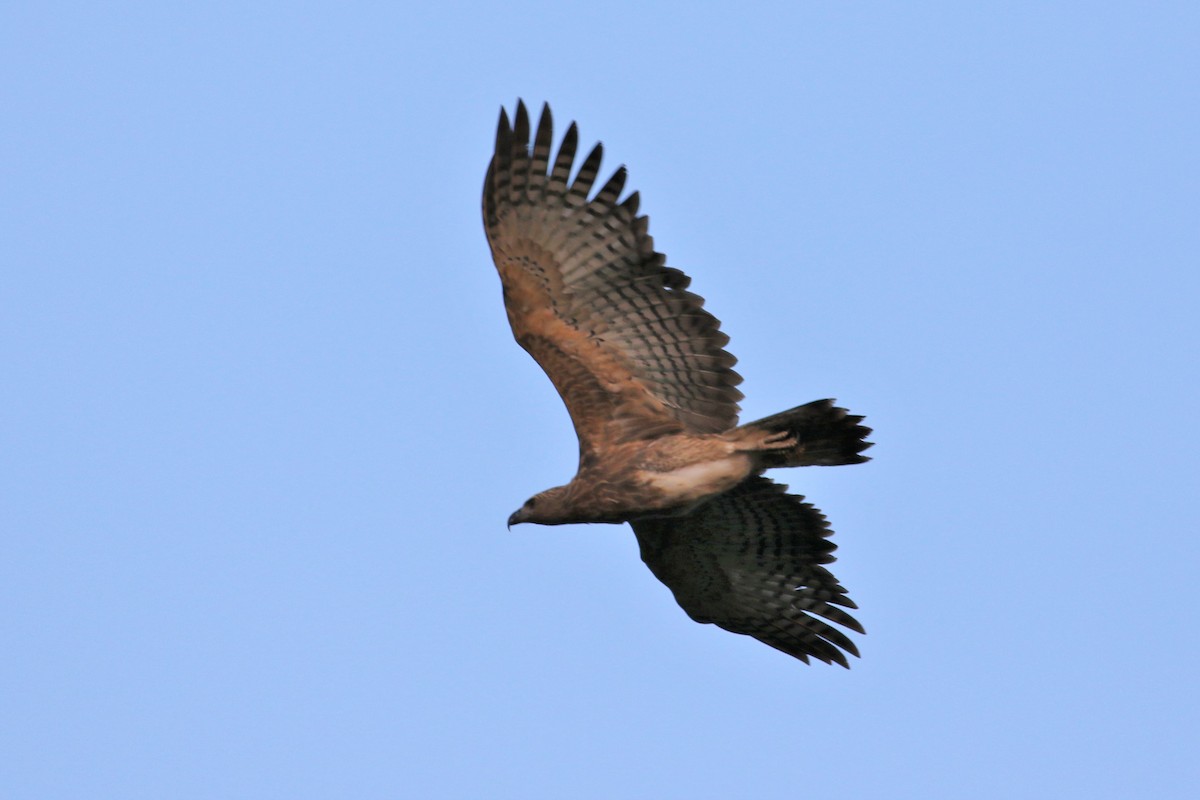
750 562
631 351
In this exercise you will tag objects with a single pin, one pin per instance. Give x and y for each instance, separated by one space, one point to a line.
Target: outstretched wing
750 562
631 351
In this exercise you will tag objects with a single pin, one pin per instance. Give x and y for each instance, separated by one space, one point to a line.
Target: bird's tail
814 434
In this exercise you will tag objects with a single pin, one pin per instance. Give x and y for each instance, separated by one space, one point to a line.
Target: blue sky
263 419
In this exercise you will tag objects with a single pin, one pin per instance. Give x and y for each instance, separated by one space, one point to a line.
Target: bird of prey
642 369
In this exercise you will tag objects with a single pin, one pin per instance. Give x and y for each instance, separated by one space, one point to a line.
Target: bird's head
545 508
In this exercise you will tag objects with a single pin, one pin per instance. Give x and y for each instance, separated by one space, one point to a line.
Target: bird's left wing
631 351
750 562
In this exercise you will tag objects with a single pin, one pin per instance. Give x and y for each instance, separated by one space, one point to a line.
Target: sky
263 419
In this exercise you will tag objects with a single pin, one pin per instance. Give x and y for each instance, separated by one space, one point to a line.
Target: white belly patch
696 481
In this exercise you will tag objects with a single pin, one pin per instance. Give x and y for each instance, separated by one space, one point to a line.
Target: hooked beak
513 519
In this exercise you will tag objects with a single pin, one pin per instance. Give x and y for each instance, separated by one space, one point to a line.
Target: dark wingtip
503 130
521 126
631 203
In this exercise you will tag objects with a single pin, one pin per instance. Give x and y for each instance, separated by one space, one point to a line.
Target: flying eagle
642 369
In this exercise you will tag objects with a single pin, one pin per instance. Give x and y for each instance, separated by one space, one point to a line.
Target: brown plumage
642 369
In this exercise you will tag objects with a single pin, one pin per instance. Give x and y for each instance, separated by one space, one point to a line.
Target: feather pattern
632 352
750 561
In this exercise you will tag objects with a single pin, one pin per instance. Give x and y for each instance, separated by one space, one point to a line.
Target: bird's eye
531 502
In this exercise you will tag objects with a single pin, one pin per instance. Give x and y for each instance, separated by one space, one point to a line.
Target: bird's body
642 369
663 477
